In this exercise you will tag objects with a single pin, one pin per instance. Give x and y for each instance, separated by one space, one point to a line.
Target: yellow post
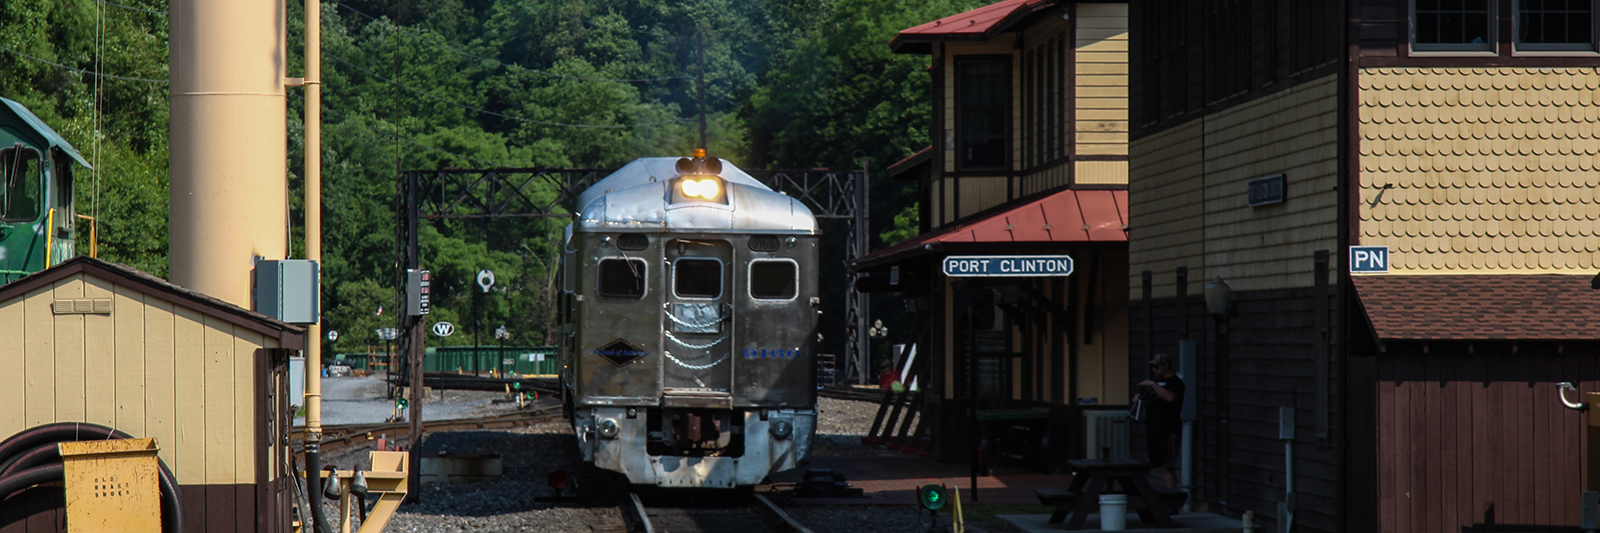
49 231
112 486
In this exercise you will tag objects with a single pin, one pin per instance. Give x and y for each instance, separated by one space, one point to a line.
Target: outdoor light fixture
707 188
1219 298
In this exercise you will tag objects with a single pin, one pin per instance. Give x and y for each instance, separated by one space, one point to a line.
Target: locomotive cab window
22 191
774 280
622 278
697 278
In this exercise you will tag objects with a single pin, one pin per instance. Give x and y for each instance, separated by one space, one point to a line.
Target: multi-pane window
23 189
1555 25
1452 25
982 108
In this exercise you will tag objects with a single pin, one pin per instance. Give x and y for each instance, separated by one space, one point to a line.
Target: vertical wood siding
1481 169
148 368
1458 428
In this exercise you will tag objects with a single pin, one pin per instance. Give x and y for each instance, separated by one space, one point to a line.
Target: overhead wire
447 46
81 71
492 113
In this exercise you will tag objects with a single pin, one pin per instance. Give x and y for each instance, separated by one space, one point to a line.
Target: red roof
1483 307
1066 216
980 24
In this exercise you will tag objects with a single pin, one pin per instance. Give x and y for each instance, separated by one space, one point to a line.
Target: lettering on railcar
771 353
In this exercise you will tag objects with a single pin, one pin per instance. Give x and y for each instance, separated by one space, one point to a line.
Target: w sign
1369 259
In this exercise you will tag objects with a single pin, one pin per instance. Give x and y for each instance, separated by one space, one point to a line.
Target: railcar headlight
782 429
608 428
707 188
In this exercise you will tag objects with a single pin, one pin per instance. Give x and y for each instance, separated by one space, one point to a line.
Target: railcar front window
23 191
773 280
622 278
697 278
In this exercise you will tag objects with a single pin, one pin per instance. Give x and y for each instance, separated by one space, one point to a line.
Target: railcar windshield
23 188
697 278
622 278
774 280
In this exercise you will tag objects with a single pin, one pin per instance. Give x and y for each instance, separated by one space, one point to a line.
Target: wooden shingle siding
1484 169
1460 428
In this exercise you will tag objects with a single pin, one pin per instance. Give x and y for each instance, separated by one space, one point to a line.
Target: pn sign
1369 259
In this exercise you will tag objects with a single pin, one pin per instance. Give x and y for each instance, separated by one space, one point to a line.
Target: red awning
1066 216
980 24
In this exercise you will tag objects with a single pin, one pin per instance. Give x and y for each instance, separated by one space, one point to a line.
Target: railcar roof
49 137
634 198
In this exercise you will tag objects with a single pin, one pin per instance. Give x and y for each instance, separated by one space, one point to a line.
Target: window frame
722 272
1590 48
38 175
1007 111
750 277
644 277
1487 48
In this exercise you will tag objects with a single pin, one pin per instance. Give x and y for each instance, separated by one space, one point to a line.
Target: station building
1028 165
1456 142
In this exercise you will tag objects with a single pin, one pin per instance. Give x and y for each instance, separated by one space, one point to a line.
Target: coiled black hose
31 457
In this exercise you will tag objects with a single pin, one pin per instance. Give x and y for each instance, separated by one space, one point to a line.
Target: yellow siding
148 368
1101 54
128 345
39 365
1165 222
1102 172
12 387
101 375
978 194
1490 169
220 396
1255 248
69 375
1048 178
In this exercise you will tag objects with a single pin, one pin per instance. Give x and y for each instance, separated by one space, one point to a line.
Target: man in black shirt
1163 400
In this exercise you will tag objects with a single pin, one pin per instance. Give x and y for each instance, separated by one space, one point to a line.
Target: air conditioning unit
1105 434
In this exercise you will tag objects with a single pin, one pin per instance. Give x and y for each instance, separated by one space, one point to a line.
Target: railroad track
339 436
860 395
696 512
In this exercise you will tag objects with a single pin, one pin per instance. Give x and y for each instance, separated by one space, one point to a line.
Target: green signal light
402 402
931 497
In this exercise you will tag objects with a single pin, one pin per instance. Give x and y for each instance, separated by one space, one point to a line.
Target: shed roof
1494 307
1065 216
980 24
289 336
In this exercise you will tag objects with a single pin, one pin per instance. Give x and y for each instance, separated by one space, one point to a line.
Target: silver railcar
690 303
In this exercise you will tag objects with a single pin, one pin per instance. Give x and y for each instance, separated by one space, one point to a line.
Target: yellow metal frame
94 239
387 480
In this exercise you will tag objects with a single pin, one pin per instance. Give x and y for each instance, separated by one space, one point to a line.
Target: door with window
697 319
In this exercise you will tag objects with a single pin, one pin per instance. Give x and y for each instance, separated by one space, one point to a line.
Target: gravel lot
519 500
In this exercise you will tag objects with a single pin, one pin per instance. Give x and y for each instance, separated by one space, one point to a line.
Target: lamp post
388 335
1219 304
501 334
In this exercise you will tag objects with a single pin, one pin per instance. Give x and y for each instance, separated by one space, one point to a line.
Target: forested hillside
421 84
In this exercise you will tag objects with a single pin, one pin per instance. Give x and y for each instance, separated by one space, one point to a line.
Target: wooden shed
92 341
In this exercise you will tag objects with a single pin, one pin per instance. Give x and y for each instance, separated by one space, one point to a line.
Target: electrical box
287 290
418 302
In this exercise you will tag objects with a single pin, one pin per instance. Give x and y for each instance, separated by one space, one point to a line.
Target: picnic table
1093 477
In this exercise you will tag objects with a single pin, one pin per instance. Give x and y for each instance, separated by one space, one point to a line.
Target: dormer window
983 110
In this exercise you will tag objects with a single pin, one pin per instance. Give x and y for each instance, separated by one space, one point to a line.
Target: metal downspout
313 206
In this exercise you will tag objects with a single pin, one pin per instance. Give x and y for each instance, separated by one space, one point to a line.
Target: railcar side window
773 280
22 190
697 278
622 278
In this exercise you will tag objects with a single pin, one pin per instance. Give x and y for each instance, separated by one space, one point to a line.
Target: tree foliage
425 84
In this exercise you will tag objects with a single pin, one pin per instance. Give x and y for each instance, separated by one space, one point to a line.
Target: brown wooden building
1029 158
97 342
1270 136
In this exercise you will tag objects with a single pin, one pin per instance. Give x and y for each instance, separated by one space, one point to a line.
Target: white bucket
1113 512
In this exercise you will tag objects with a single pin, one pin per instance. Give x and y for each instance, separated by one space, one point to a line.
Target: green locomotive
37 219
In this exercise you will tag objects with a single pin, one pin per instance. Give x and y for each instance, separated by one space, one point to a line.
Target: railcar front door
697 324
